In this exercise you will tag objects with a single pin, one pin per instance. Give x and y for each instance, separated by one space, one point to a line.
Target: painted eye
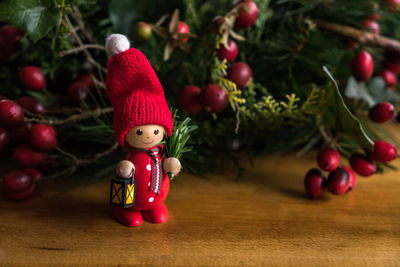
139 132
156 131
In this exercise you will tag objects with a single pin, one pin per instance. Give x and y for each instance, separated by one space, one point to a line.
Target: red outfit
138 99
146 200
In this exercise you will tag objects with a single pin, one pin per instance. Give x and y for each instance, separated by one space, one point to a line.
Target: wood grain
264 220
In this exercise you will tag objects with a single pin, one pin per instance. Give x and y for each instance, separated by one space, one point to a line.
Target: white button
148 167
151 199
149 183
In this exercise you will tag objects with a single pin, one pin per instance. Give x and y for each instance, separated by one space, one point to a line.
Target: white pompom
116 43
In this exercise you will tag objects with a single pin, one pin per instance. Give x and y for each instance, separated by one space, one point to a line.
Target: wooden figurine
141 119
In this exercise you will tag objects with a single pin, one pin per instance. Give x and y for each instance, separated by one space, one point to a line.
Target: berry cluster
212 97
30 142
341 179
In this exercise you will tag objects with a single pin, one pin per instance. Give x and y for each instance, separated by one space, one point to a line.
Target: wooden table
264 220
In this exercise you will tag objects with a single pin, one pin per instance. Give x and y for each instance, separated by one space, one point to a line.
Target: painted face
145 136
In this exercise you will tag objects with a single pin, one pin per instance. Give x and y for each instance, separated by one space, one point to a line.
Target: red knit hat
134 89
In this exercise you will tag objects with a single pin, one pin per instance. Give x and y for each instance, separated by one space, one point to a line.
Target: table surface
263 220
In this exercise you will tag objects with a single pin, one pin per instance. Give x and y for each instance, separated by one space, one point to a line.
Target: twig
74 118
84 162
362 36
77 16
237 118
89 57
76 162
80 48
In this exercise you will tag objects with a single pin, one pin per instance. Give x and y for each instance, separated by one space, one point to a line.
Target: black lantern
123 191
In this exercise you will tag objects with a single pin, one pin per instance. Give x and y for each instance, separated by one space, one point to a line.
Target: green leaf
36 17
349 124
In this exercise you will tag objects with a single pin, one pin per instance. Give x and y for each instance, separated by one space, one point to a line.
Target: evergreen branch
362 36
80 48
74 118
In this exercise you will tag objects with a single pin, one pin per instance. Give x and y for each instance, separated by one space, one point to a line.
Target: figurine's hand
172 165
125 169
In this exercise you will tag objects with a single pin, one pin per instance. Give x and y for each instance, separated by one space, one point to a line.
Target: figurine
141 119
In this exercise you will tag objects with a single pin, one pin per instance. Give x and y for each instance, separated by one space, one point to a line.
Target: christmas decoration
43 138
141 118
381 112
362 66
338 181
78 92
248 13
389 77
352 178
228 52
18 185
305 81
214 98
11 113
241 74
362 165
371 25
32 105
189 99
10 38
33 78
315 183
142 31
383 152
328 159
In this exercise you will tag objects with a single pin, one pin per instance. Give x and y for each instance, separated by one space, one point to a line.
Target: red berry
21 133
216 24
393 5
32 78
214 98
35 174
189 99
4 138
375 16
32 105
338 181
22 195
352 176
86 78
240 74
78 91
392 66
371 25
26 156
17 181
229 53
43 138
183 28
10 38
381 112
328 159
11 114
362 165
362 66
314 183
383 152
142 31
389 77
248 14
